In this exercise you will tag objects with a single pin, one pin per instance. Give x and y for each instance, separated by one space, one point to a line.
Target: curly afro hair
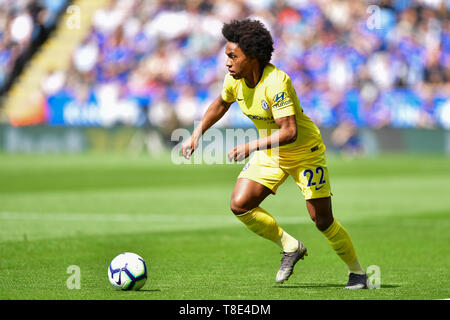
252 37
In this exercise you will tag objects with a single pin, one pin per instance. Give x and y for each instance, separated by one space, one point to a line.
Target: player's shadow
325 285
309 286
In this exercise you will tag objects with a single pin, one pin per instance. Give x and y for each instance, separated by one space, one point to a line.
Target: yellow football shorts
310 174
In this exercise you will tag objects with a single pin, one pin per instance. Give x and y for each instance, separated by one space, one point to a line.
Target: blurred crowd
24 25
358 63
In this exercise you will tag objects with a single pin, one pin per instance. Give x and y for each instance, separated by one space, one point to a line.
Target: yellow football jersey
274 97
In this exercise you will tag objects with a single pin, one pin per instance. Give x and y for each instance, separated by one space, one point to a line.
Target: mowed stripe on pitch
34 225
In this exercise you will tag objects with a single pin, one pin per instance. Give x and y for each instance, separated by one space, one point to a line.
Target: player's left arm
286 134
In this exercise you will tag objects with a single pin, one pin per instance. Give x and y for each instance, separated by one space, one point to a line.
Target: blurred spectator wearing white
24 25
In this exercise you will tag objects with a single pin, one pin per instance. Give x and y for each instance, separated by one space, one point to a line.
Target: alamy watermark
373 277
74 17
374 19
74 280
214 146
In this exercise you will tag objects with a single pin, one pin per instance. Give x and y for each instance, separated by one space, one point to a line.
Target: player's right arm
213 114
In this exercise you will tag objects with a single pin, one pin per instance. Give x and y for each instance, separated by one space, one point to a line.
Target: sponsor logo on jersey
255 117
281 104
279 97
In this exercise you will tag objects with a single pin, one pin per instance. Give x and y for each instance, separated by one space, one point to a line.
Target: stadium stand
25 100
134 62
24 26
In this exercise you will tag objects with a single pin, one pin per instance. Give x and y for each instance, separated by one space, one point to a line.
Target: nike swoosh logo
319 188
240 99
120 278
120 274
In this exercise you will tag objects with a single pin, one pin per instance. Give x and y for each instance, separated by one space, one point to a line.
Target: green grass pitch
83 210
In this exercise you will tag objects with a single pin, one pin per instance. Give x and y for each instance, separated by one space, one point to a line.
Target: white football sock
355 267
287 242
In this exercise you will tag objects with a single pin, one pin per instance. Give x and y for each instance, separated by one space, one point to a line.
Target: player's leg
312 178
246 198
247 194
320 211
259 178
245 204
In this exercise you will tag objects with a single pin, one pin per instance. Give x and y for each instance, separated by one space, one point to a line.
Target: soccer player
289 144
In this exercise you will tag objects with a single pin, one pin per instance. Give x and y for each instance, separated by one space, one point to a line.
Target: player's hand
239 153
188 147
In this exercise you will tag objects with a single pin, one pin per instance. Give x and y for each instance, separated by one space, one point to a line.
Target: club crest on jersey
279 97
264 105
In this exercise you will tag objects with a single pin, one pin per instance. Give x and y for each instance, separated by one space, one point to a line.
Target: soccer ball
127 271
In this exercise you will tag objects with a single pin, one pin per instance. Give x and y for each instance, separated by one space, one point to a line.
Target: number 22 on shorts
310 175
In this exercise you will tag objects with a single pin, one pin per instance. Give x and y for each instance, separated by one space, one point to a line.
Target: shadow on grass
150 290
325 285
